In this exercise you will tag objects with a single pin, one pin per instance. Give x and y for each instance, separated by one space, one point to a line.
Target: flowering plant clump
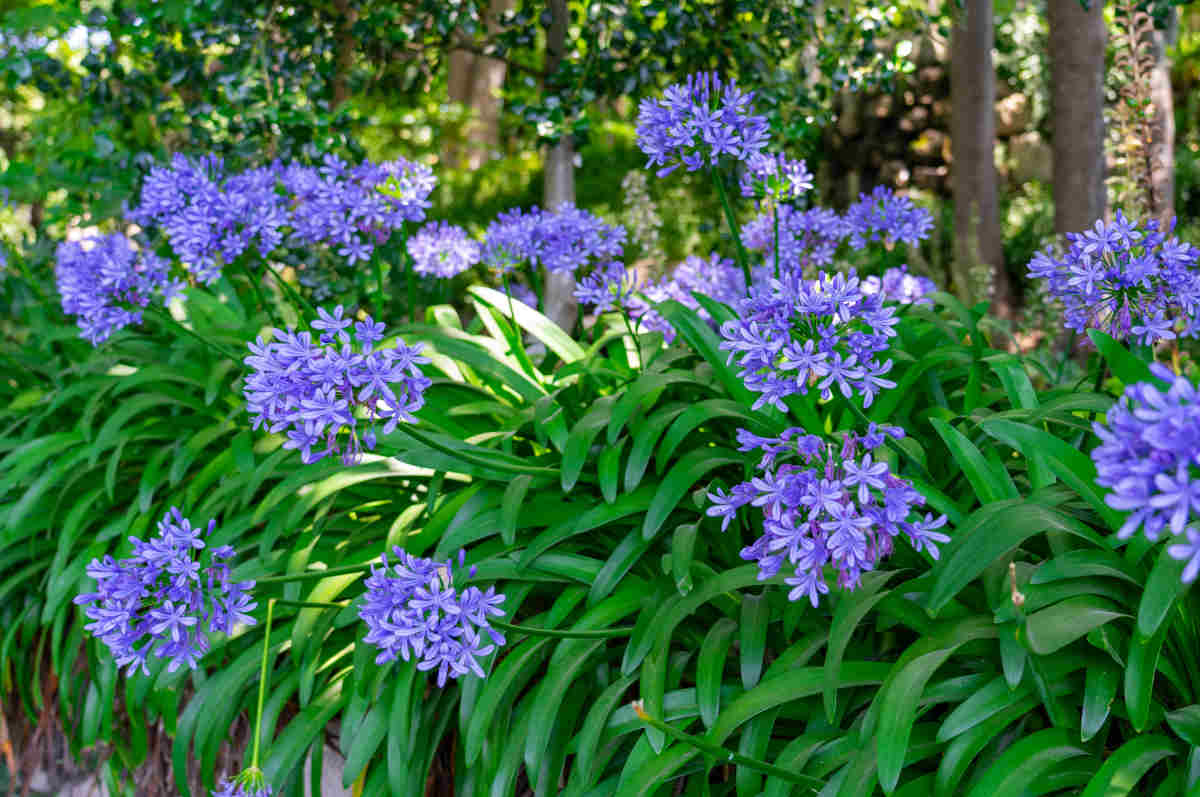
443 250
1127 281
413 609
1148 455
836 509
697 123
801 332
775 177
318 390
565 240
98 277
162 600
887 216
211 217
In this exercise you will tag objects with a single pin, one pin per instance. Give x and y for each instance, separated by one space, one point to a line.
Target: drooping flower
1148 453
249 783
799 333
163 599
316 390
106 283
413 609
699 122
443 250
1130 282
825 506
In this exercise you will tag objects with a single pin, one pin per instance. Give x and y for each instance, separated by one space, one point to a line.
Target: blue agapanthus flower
826 507
897 285
105 282
800 333
1127 281
443 250
250 783
164 598
775 176
316 390
698 123
1148 454
564 240
413 609
884 215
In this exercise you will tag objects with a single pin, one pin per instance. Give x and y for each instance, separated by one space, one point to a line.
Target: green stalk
262 684
776 212
240 264
309 575
718 753
293 294
742 258
178 327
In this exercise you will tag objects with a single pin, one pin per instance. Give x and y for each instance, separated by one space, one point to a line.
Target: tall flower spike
316 391
163 599
822 506
413 609
1147 454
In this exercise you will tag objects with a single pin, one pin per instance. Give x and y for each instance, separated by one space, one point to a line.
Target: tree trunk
346 45
1077 42
559 184
1162 141
973 141
475 81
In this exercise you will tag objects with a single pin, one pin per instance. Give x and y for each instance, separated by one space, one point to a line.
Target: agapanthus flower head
105 282
211 217
165 597
826 505
807 238
887 216
897 285
564 240
699 122
796 333
250 783
609 286
775 176
443 250
413 609
1149 454
1127 281
318 390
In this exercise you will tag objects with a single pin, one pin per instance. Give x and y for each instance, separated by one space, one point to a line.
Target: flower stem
178 327
262 684
742 259
775 207
309 575
719 753
240 263
293 294
599 633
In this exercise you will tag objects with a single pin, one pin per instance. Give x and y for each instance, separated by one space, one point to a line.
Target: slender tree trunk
559 183
1162 142
347 16
973 140
475 82
1077 42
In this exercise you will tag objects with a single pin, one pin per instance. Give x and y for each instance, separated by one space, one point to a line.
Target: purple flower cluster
98 277
412 608
443 250
716 277
211 217
897 285
161 600
698 122
242 786
777 177
885 215
609 286
317 390
836 509
565 240
798 333
1148 455
1125 281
